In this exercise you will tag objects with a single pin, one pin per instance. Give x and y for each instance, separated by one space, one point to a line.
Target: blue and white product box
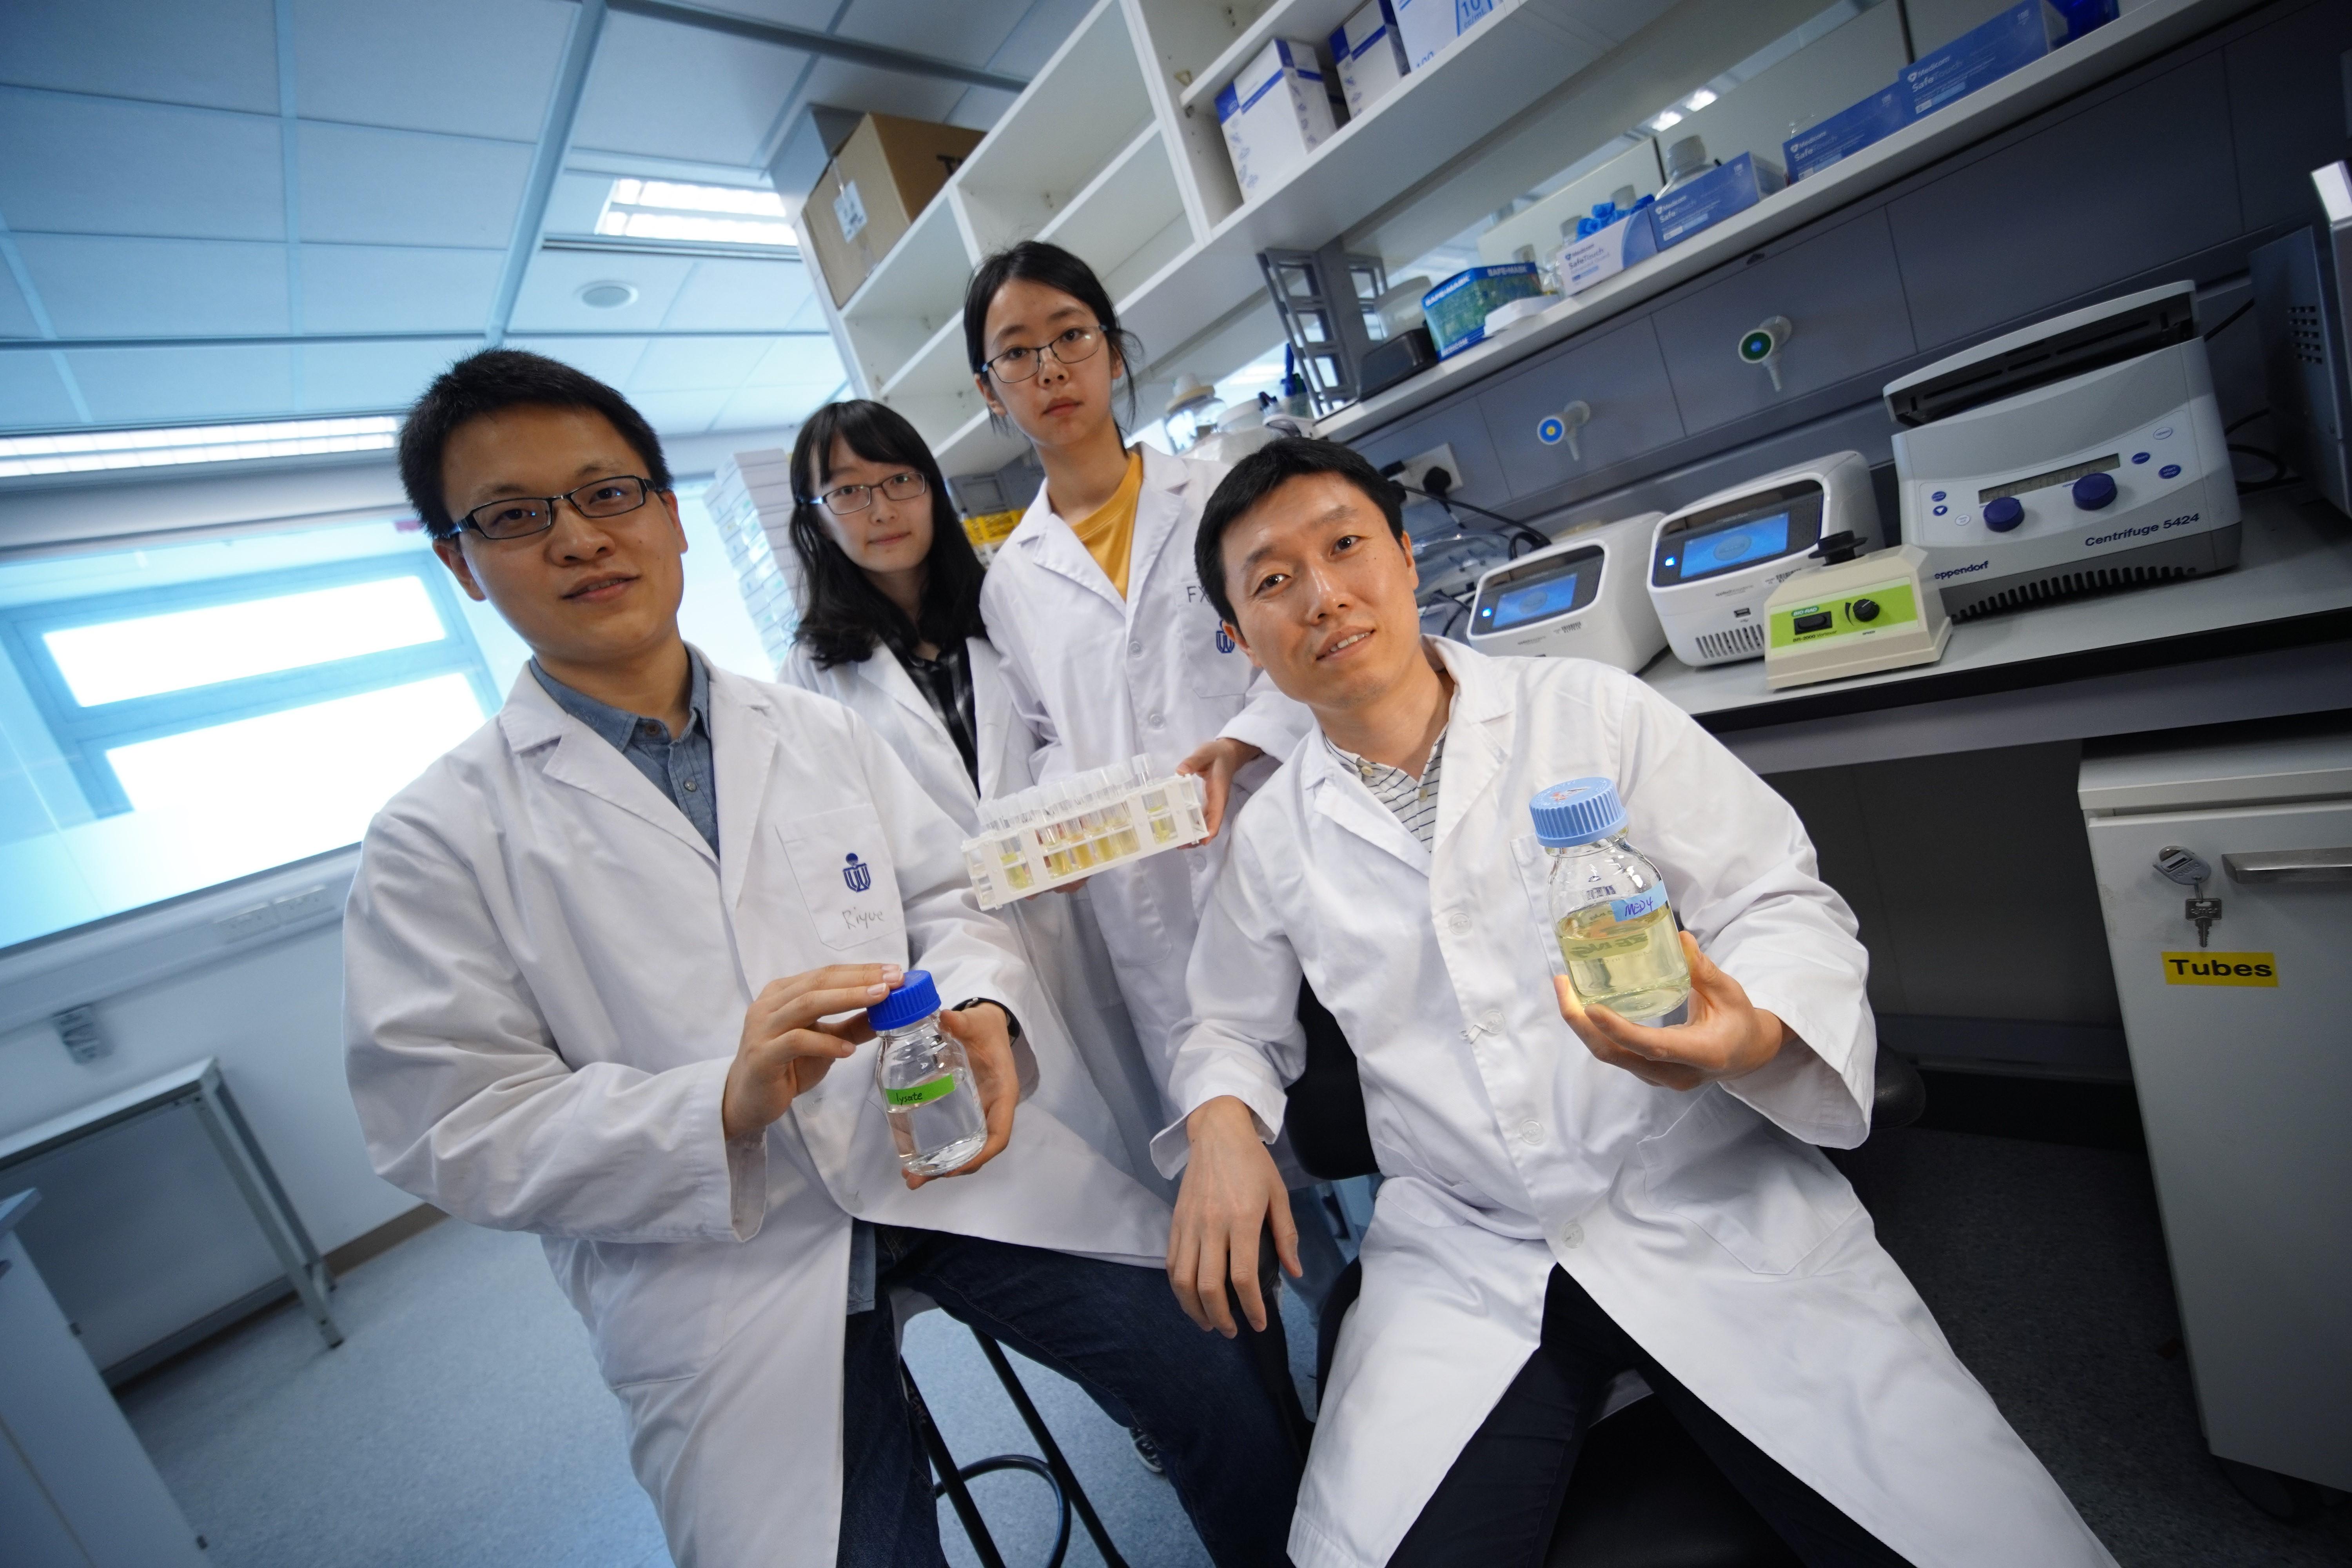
1458 309
1274 114
1606 252
1425 27
2017 37
1369 57
1712 196
1847 131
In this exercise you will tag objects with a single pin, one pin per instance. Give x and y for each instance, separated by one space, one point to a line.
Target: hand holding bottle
1726 1034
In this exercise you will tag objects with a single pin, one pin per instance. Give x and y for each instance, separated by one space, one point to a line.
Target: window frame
85 733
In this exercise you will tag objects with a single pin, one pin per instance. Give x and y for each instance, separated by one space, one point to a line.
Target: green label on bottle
917 1094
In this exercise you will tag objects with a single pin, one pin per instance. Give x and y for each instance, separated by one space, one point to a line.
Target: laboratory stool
954 1478
1644 1494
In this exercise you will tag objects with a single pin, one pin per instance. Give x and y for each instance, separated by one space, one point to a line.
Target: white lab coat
1706 1223
1106 1095
546 971
1098 679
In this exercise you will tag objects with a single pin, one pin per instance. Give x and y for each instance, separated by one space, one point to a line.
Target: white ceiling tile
682 92
810 317
222 54
722 292
877 91
86 166
1032 41
106 286
550 301
469 68
354 378
32 394
365 186
136 387
944 29
610 360
757 407
389 289
16 316
685 364
791 361
576 202
681 413
980 109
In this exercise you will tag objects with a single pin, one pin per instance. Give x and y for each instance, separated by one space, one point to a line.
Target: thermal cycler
2076 454
1713 563
1585 596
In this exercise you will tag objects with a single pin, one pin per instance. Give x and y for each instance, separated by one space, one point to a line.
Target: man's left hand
1215 765
1726 1034
988 1045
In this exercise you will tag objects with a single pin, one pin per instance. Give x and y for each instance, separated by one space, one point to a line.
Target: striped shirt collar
1411 801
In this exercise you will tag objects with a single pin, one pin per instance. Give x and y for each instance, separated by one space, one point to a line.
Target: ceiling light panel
668 209
93 451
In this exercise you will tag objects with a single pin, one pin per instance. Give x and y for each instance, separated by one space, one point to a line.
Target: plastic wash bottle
925 1080
1607 904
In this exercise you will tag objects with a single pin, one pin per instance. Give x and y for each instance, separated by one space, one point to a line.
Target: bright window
175 717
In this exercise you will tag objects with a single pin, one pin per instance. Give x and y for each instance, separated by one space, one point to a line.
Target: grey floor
462 1423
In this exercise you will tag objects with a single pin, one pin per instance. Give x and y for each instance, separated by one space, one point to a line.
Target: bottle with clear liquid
925 1080
1608 906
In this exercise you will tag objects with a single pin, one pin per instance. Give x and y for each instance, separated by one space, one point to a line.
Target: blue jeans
1222 1412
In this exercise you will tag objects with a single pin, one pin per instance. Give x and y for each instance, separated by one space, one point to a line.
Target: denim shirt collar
617 725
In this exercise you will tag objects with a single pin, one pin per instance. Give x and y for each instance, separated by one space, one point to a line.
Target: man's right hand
786 1048
1231 1192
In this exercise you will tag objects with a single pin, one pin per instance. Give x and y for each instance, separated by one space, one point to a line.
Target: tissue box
1425 27
1274 114
1847 131
2017 37
1607 252
1715 196
1458 309
1369 57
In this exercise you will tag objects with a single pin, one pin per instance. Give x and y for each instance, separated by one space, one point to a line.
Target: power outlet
1414 475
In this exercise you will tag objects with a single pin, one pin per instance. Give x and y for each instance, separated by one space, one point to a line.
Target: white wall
139 1232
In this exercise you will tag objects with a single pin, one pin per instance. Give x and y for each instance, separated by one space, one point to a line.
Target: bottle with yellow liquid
1608 905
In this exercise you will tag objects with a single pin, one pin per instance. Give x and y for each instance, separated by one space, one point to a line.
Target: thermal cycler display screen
2065 475
1755 539
1536 602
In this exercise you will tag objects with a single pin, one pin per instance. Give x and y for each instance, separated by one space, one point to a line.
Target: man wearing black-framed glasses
601 961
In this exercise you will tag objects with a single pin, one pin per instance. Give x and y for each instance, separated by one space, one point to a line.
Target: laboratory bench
2271 638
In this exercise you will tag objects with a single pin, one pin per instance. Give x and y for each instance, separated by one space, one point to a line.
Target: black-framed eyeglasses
903 486
1076 345
518 517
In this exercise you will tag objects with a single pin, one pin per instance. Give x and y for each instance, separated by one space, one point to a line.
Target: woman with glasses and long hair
891 627
1109 649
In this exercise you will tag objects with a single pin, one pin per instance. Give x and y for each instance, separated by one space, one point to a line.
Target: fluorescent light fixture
723 215
1699 100
94 450
1666 120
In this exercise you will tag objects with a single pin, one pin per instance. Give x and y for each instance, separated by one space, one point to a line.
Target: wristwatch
1012 1024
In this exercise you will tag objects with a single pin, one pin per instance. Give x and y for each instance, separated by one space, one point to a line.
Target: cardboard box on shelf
1368 54
1426 26
883 176
1274 114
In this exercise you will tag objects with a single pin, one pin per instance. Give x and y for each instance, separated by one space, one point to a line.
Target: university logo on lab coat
1224 639
858 874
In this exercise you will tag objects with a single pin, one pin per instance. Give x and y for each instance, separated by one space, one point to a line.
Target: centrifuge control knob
1864 610
2004 514
2093 491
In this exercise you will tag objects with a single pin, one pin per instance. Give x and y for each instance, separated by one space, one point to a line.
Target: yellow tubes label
2202 968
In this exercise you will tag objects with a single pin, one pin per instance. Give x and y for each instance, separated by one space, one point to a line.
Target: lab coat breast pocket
841 863
1766 1198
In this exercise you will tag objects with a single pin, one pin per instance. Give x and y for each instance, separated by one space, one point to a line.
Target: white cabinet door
2245 1086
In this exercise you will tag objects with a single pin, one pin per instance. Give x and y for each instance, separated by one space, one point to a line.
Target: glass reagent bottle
925 1080
1607 904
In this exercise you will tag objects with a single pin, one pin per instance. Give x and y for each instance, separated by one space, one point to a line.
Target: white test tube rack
1053 834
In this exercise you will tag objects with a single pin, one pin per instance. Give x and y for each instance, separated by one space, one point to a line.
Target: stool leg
952 1478
1063 1476
250 1167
